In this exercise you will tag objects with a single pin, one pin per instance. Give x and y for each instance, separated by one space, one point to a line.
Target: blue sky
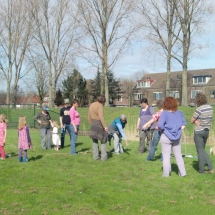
134 60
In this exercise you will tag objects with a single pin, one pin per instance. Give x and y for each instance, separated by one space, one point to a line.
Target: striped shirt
203 114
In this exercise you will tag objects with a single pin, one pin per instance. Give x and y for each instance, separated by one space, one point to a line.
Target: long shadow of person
175 168
35 158
195 165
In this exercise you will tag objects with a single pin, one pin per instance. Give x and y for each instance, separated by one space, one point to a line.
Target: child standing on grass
3 134
24 138
55 138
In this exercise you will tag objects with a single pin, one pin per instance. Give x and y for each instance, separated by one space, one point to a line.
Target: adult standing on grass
65 122
115 130
145 115
98 129
202 119
157 133
75 122
171 124
44 120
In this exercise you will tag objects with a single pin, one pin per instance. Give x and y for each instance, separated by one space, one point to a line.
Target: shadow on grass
175 168
127 151
68 146
157 157
195 165
38 157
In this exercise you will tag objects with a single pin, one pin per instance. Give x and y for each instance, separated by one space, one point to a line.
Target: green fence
28 110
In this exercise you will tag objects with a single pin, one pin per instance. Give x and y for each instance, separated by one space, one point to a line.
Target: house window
138 96
174 94
194 92
119 97
143 84
201 79
146 83
157 95
212 94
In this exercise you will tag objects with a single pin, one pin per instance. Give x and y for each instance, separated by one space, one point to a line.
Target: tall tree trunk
168 72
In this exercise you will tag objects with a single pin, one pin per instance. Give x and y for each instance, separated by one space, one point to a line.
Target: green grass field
54 182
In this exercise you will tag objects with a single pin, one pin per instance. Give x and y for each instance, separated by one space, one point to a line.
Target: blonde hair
54 123
22 122
3 118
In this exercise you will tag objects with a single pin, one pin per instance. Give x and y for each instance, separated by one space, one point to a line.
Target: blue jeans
74 139
154 144
67 127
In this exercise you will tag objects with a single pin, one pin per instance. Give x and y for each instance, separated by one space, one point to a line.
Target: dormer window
146 83
201 79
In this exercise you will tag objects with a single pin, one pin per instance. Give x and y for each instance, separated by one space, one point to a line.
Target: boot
20 159
25 159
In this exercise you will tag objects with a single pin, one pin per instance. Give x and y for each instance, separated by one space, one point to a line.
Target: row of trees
76 87
43 38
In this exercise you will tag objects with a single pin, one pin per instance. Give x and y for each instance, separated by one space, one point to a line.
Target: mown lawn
58 183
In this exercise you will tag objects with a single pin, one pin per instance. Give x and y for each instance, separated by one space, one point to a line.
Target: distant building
153 86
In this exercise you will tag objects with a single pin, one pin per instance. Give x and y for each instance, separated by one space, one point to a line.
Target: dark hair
170 103
101 99
200 99
74 101
159 104
144 100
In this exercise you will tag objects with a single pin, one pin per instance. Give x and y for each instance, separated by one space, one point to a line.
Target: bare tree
55 36
38 81
138 75
161 24
15 38
128 85
193 16
108 27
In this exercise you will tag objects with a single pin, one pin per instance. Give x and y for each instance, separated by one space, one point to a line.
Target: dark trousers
200 139
143 135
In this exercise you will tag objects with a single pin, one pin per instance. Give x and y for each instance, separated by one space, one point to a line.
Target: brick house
153 86
125 96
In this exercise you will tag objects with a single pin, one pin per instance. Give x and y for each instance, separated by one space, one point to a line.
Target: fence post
34 114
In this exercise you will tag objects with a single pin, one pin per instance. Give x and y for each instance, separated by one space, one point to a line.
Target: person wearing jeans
157 133
75 122
65 122
154 144
202 119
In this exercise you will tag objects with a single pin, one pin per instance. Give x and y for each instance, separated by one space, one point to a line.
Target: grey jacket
45 120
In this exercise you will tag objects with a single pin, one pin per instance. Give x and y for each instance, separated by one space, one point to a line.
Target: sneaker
2 158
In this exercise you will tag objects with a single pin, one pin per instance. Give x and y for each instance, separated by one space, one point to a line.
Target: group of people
69 121
166 126
170 123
